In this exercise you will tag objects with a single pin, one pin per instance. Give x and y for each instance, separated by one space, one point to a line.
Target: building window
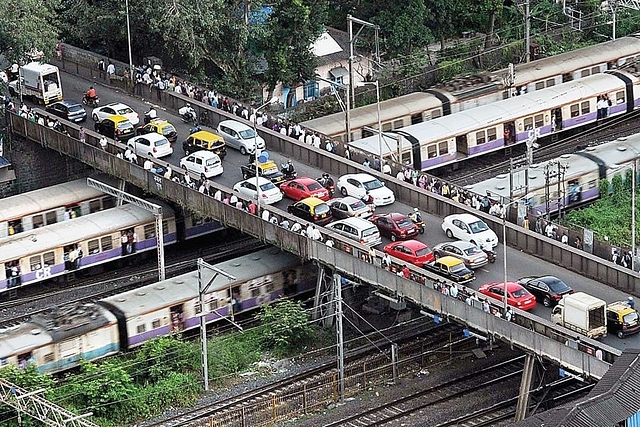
311 90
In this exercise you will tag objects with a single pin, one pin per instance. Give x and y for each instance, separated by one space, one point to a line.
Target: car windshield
424 251
161 142
358 204
404 223
478 227
168 129
321 209
270 170
458 268
124 110
75 108
314 186
520 293
372 185
369 232
125 126
556 285
213 162
474 250
267 186
247 133
630 318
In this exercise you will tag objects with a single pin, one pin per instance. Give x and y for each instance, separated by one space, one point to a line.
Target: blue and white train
541 114
58 339
570 180
473 91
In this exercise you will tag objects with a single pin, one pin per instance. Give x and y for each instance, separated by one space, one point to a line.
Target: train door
12 273
236 302
177 318
23 359
509 133
461 144
556 119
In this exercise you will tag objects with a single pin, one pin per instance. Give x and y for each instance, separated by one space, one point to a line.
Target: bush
160 356
285 326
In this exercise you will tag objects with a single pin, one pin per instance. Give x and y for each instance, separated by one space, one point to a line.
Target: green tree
446 20
161 356
292 28
403 27
27 25
286 325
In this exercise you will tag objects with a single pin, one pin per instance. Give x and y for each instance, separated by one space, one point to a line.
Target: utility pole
509 79
633 217
337 285
527 30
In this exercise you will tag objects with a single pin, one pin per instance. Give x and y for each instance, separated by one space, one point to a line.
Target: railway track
127 278
307 391
476 170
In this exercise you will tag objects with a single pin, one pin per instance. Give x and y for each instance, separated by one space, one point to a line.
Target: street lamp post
273 100
129 42
377 85
504 248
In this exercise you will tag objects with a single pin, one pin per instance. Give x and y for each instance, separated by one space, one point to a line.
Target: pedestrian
453 291
406 273
265 215
631 303
565 239
329 243
347 153
508 315
386 261
148 165
103 142
486 307
372 255
386 168
252 208
525 223
218 195
366 163
82 136
111 71
167 173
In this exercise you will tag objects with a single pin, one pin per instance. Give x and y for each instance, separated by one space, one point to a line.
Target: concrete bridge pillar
525 386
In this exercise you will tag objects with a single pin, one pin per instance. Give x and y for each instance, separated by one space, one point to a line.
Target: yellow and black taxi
116 127
313 210
267 169
205 140
161 127
622 320
452 268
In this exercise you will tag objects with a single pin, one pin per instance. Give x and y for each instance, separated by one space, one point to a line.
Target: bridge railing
351 259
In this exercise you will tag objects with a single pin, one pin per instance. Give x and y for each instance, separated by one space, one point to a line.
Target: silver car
240 136
350 206
470 254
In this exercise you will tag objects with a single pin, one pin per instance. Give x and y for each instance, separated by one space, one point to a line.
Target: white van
240 136
202 162
358 229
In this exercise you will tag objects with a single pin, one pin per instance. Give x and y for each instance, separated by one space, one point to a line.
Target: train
57 339
538 116
473 91
565 182
88 241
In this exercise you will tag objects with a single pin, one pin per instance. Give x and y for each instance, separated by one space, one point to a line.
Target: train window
443 148
539 85
366 133
584 107
106 243
49 258
416 118
155 324
149 231
196 307
386 127
595 70
108 202
539 120
480 138
35 263
550 82
398 124
432 151
94 246
528 123
48 358
567 77
575 111
141 329
491 134
37 221
620 97
51 217
95 206
213 305
592 184
436 113
585 73
165 226
255 292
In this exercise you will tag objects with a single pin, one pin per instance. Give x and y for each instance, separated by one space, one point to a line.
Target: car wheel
243 151
343 191
620 335
546 302
449 234
94 116
393 237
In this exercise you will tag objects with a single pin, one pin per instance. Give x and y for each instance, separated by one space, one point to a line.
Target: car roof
395 216
206 135
206 154
465 217
311 201
116 104
305 180
234 125
363 177
346 200
355 222
620 307
511 286
411 243
458 243
67 103
267 164
153 137
261 180
116 118
159 122
449 261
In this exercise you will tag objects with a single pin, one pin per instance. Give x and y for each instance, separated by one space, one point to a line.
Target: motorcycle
419 224
491 255
148 118
289 174
189 116
91 102
328 184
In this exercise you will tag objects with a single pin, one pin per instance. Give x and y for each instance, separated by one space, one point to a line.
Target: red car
301 188
517 295
395 226
413 251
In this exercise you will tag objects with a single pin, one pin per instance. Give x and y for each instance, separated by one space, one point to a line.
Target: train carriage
173 304
57 249
50 205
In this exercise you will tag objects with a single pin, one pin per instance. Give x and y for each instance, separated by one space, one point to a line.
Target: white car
240 136
202 162
471 229
151 144
115 108
358 184
269 193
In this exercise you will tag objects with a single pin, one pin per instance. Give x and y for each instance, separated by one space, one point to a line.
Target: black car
68 110
116 127
268 170
547 289
313 210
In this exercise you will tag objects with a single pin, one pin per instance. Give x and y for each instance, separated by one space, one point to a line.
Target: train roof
520 106
73 320
390 109
46 199
46 238
612 154
371 144
22 339
185 287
